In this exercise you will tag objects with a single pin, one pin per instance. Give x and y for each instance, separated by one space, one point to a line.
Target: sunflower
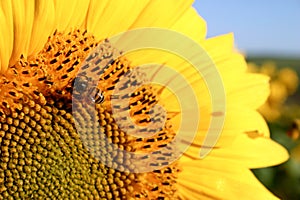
47 149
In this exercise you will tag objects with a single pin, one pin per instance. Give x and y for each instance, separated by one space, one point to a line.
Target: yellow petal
219 47
106 18
95 11
43 25
23 15
241 119
252 90
237 121
219 179
161 13
231 68
254 151
222 52
191 25
7 35
70 13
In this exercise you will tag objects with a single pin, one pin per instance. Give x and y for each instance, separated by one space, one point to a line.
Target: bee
82 90
81 83
294 132
96 95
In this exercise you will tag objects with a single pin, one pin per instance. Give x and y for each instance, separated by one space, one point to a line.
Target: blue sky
265 27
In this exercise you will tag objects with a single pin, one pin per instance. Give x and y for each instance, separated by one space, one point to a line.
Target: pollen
44 154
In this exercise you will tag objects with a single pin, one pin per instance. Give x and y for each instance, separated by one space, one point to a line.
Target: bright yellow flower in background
42 45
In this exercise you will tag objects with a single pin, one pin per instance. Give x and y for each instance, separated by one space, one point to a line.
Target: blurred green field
281 62
283 180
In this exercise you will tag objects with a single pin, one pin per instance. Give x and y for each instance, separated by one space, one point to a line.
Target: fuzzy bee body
81 83
82 89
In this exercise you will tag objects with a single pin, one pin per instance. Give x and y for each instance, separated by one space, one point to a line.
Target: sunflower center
44 154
